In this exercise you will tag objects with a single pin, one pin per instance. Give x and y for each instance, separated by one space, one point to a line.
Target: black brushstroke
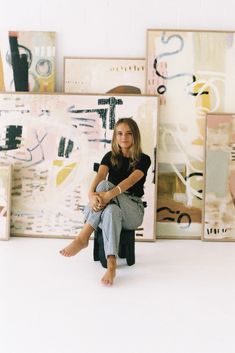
13 138
111 101
166 208
62 152
161 89
20 64
193 174
178 219
100 140
184 215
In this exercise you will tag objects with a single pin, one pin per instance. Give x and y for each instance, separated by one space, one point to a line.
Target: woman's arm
124 185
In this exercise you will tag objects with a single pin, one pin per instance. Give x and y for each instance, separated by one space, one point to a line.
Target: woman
115 203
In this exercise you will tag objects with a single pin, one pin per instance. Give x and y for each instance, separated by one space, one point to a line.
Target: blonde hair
135 150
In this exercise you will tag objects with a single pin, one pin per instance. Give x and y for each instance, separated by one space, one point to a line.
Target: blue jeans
124 211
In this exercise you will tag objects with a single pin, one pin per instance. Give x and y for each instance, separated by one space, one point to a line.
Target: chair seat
126 247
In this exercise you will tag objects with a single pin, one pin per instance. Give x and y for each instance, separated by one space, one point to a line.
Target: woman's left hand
104 198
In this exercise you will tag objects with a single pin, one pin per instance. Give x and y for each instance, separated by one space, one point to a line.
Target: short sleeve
144 163
106 159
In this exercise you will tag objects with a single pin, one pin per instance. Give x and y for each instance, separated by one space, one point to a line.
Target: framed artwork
5 200
53 142
219 189
193 74
104 75
27 61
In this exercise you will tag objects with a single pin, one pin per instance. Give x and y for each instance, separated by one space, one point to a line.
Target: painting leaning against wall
219 200
53 142
104 75
5 200
27 61
193 73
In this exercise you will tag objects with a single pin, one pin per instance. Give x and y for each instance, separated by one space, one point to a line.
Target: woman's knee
112 210
104 185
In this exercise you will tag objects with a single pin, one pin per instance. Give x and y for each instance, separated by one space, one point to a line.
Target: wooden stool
126 247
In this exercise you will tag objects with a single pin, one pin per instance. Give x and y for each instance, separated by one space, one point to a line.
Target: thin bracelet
120 190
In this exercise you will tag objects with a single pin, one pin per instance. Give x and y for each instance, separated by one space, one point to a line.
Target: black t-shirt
117 174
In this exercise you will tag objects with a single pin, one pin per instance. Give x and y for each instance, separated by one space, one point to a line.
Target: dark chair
126 247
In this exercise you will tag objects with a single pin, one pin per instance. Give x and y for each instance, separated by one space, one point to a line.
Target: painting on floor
104 75
5 200
27 61
53 142
193 73
219 207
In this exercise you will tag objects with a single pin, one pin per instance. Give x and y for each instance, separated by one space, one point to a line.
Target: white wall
109 27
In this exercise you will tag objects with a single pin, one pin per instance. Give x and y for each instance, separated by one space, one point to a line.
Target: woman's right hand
95 202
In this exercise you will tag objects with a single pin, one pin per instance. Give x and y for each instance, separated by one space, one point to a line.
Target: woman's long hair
135 150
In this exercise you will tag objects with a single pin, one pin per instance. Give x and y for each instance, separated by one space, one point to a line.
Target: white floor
179 297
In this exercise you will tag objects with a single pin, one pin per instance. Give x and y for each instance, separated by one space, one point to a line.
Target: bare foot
110 274
73 248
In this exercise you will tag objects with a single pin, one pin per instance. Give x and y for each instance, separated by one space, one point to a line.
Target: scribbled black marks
161 89
104 140
101 112
65 151
22 111
112 102
233 154
195 174
108 120
215 231
44 112
172 217
200 174
12 138
166 40
181 217
85 125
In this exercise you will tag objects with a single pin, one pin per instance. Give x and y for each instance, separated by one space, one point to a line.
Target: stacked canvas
175 94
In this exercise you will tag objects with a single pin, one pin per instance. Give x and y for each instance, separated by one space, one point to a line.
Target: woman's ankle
111 262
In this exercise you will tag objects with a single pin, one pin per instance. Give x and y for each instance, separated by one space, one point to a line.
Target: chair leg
102 256
127 246
103 259
96 256
130 254
122 251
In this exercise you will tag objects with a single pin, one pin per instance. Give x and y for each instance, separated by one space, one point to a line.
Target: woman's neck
126 153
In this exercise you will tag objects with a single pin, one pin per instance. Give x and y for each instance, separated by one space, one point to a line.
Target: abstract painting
219 208
193 73
104 75
27 61
5 200
53 142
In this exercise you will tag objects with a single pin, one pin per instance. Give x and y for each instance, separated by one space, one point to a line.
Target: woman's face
124 136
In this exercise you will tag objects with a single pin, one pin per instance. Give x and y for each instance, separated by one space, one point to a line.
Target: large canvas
5 200
219 209
53 142
193 73
27 61
104 75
